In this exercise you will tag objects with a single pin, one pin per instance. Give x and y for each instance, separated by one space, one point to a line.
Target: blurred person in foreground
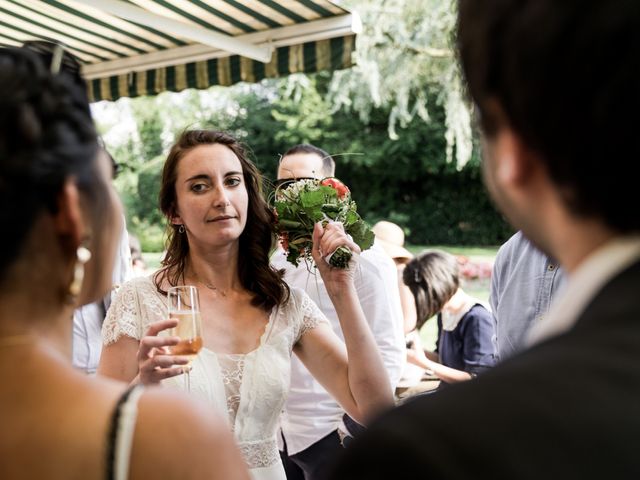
64 220
549 80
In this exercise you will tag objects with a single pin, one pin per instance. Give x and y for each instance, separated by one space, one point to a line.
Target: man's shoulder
518 258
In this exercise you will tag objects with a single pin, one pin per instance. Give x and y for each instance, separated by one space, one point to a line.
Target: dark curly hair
46 136
256 241
564 74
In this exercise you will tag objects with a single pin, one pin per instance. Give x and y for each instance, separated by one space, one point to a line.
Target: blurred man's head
305 161
552 81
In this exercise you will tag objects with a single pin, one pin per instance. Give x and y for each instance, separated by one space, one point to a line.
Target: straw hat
391 238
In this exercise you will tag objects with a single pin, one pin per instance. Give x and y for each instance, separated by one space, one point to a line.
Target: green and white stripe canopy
144 47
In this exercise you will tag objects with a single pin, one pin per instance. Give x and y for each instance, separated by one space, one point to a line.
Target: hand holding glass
184 306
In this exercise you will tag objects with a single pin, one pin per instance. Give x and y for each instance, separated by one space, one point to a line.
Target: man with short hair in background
314 427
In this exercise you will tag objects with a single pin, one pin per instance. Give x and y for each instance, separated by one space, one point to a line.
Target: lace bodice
231 369
248 390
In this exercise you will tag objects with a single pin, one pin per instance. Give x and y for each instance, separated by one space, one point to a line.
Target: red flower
284 240
337 185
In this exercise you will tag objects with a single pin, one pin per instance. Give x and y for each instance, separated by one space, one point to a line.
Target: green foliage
302 204
407 180
151 236
146 205
405 64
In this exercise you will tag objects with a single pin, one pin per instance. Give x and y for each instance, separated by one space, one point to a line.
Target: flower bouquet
303 203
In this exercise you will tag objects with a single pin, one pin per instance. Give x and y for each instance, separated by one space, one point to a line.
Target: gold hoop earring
181 229
83 255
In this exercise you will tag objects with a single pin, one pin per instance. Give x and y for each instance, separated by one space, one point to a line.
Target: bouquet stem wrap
303 203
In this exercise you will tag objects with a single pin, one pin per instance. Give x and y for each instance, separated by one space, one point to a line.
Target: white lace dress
248 389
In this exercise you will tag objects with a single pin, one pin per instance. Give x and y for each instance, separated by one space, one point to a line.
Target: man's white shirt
87 320
310 412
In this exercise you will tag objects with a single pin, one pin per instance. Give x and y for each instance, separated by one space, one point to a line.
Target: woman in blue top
465 327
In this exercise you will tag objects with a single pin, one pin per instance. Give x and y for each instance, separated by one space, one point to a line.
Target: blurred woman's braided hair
433 278
46 136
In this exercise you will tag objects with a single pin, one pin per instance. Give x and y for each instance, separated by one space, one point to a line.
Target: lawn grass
478 253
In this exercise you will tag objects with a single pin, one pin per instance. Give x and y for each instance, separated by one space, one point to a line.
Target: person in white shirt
314 427
87 320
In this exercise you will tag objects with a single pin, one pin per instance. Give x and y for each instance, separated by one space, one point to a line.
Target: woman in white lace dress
220 237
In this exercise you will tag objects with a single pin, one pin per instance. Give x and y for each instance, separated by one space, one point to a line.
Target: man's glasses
56 55
284 182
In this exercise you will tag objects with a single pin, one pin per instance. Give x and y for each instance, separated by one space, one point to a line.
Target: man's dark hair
328 164
564 73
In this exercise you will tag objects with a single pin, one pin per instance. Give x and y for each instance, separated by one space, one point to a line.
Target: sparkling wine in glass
184 306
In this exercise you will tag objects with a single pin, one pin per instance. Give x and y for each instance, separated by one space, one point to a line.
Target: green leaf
351 218
361 234
314 198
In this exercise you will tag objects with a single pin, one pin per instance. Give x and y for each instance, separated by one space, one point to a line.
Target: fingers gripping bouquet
303 203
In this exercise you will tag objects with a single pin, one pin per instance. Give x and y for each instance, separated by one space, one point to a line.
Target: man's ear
516 163
68 220
512 157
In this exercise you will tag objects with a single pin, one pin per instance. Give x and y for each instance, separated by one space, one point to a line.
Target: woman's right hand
155 362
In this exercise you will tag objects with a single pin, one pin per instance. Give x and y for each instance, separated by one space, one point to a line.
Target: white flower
292 191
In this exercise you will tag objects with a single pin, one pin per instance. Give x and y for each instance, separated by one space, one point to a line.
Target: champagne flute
184 306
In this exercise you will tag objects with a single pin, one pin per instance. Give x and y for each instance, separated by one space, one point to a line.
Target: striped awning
144 47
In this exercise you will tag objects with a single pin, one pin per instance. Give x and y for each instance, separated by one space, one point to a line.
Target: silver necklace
210 286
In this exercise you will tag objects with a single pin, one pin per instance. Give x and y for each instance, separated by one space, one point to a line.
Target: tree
405 54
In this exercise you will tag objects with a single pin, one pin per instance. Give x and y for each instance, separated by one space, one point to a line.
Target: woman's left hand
325 241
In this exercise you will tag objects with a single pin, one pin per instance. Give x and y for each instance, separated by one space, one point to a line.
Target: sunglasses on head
284 182
56 55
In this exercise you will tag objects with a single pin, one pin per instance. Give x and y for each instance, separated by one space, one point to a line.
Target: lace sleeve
310 315
123 316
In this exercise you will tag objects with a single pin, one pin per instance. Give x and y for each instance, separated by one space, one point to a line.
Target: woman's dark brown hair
46 136
256 241
433 278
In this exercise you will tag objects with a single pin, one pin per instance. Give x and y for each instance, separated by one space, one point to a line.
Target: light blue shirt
523 284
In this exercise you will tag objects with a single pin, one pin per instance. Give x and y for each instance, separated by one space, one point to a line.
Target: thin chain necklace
210 286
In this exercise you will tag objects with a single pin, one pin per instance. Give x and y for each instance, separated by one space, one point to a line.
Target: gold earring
83 255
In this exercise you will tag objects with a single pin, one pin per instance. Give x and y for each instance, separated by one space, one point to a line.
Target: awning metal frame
323 29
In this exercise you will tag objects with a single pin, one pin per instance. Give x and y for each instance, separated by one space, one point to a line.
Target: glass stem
187 381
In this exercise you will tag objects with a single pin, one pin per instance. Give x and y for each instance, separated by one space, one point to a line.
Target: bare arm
145 361
118 360
355 377
428 361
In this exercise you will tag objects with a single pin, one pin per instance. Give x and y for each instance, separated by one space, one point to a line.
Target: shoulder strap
123 422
